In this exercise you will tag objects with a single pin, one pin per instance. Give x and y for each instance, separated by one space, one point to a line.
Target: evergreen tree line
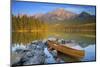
26 23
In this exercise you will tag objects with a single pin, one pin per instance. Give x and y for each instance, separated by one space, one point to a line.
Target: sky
30 8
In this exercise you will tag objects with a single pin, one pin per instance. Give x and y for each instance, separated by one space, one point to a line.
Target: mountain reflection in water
27 37
86 42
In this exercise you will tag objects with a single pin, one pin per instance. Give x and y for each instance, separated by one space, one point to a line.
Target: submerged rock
37 58
16 58
35 55
54 53
49 58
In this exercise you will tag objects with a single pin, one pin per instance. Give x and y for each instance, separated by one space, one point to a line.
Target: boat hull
66 50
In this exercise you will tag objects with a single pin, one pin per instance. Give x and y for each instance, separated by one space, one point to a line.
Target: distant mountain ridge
56 15
62 15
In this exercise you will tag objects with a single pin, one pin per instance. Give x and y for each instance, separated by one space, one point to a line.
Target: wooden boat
66 50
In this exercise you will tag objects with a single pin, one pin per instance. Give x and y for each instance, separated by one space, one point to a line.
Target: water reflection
90 54
27 37
86 42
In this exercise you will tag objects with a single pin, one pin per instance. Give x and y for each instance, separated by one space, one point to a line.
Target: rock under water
37 53
49 57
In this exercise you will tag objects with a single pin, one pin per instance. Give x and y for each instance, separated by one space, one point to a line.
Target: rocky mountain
56 15
85 15
62 15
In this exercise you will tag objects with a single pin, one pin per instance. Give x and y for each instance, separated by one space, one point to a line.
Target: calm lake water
27 37
86 41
